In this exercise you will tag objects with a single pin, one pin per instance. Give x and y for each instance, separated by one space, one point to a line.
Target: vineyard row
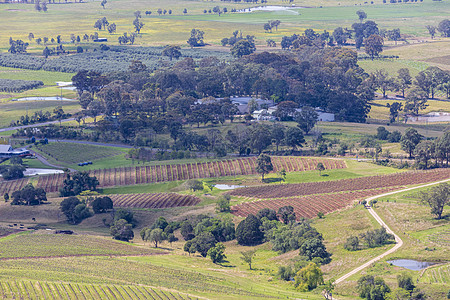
354 184
153 174
157 200
67 291
308 206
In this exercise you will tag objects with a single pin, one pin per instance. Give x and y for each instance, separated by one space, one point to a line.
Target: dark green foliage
377 237
203 242
160 223
405 282
382 133
285 273
371 288
102 204
287 214
264 165
15 86
126 215
437 198
248 231
77 183
268 213
314 248
122 230
28 195
285 238
216 253
223 204
9 172
194 185
75 210
352 243
187 231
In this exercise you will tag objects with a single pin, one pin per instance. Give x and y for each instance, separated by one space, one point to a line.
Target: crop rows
308 206
162 173
66 152
21 289
439 275
362 183
157 200
442 238
12 86
9 186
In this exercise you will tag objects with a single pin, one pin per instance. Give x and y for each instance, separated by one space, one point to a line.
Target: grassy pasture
18 20
11 111
48 244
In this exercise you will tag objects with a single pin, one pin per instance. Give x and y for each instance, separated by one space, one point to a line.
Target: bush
15 86
352 243
75 210
122 230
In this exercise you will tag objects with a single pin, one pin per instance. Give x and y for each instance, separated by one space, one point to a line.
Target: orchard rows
163 173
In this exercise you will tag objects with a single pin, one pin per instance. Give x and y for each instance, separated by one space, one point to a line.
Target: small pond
411 264
227 186
43 99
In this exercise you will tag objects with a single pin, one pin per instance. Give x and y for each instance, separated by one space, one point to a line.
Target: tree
271 43
394 35
361 15
121 230
405 282
264 165
423 152
294 137
102 204
415 100
85 99
444 28
431 30
172 52
247 257
404 80
287 214
437 198
268 213
112 28
74 184
9 172
30 36
371 288
6 197
194 185
203 242
196 38
248 231
223 204
103 3
373 45
74 209
340 36
28 195
156 236
314 248
308 278
138 25
216 253
394 110
243 47
306 119
352 243
320 167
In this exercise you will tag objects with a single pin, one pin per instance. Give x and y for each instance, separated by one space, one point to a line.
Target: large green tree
264 165
410 140
437 197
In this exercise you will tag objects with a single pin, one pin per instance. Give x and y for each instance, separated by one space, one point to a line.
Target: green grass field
12 111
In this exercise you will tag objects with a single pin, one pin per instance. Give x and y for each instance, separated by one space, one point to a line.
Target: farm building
267 114
8 151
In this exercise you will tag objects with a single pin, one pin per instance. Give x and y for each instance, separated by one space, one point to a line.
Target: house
242 103
8 151
322 116
268 114
263 115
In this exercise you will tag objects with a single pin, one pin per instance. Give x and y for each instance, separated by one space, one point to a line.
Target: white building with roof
8 151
